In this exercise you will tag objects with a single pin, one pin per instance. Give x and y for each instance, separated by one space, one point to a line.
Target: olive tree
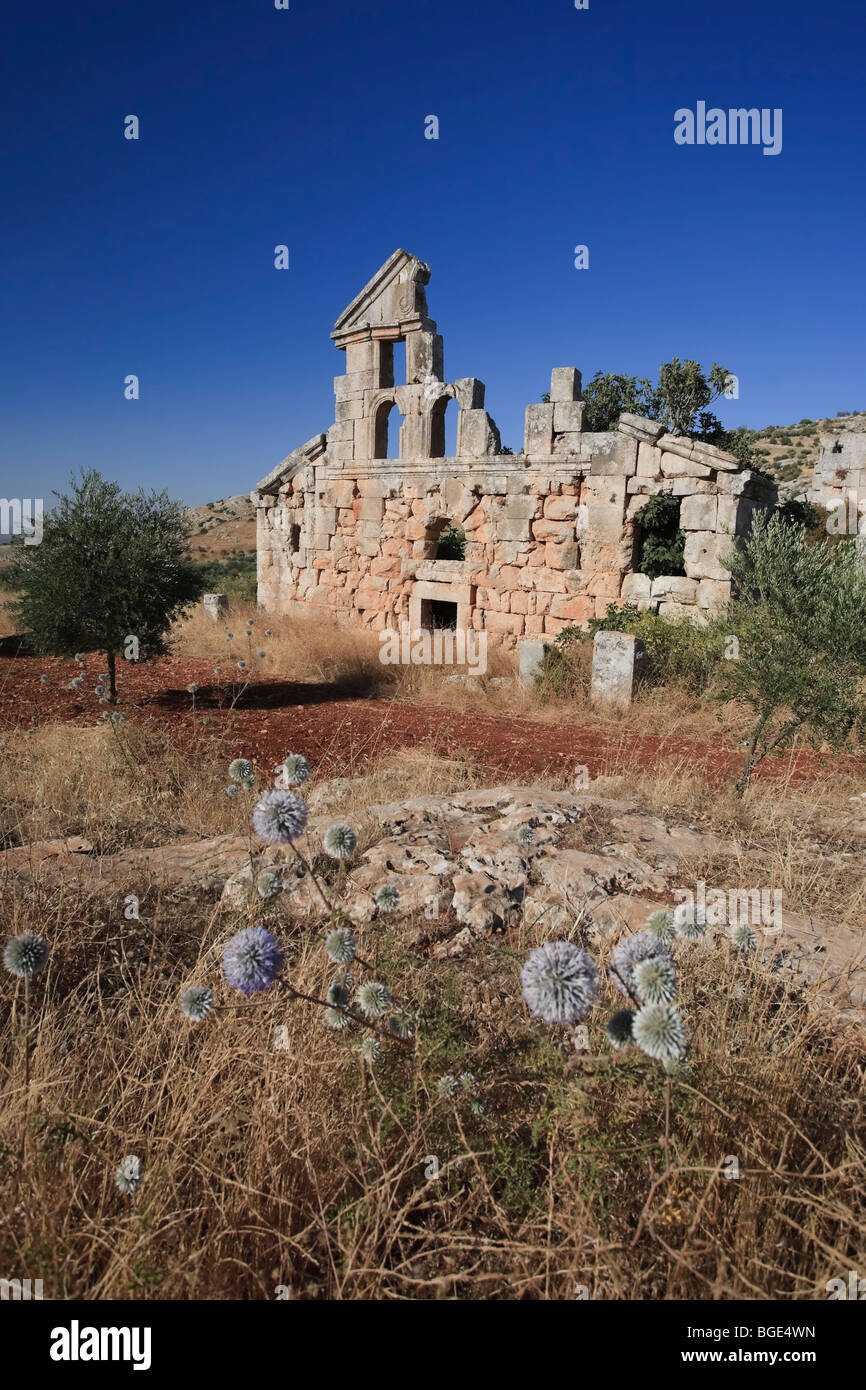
798 612
110 575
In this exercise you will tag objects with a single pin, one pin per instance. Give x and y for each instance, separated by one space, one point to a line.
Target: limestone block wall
550 533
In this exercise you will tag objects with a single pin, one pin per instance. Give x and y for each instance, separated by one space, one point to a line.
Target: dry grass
298 1166
305 647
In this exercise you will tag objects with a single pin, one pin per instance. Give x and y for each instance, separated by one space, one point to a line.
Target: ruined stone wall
550 537
839 480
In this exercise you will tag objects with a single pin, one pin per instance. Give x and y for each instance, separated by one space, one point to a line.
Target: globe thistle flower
689 923
386 897
43 678
402 1024
217 670
625 956
117 717
242 665
75 682
242 771
25 955
525 836
560 982
477 1107
337 1019
99 690
658 1031
371 1050
252 960
743 936
466 1082
196 1002
446 1087
341 946
296 769
661 925
655 980
374 999
267 632
79 657
338 993
232 790
339 841
279 817
192 688
128 1175
229 636
261 655
619 1028
268 883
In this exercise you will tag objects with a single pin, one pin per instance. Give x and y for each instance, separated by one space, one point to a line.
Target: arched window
388 423
443 428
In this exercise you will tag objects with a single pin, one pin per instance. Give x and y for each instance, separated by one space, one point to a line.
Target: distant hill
223 530
789 452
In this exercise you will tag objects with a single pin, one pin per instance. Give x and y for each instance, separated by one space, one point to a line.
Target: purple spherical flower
252 960
279 817
560 982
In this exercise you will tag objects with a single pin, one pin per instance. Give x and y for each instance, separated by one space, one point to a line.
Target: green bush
452 543
235 577
797 613
680 653
662 541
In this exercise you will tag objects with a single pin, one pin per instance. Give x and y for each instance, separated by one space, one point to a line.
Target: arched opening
443 428
388 424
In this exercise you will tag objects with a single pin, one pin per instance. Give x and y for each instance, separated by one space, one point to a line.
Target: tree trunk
112 686
749 760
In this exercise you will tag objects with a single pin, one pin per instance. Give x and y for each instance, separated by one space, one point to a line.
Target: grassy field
275 1157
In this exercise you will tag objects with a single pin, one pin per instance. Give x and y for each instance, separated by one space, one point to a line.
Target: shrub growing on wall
662 543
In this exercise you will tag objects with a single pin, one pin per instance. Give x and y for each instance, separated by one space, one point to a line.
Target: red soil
342 735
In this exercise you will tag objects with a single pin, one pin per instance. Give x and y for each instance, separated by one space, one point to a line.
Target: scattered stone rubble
463 872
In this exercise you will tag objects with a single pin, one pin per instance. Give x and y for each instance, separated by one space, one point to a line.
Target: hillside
789 452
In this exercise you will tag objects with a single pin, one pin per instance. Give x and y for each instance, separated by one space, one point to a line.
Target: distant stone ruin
839 480
351 523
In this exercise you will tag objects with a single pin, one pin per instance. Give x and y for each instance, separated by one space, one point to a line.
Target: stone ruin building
349 524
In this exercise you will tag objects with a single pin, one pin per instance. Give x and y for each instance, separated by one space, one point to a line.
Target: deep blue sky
306 127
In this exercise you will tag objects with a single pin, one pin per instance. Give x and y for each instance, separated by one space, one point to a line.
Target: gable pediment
392 301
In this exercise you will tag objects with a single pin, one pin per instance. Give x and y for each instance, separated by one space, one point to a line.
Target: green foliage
679 400
798 512
235 577
680 653
452 543
798 614
607 395
685 392
662 542
111 564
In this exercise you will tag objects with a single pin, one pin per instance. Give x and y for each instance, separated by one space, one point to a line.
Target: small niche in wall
294 539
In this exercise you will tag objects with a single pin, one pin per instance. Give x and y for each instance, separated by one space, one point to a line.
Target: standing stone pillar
619 662
215 605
